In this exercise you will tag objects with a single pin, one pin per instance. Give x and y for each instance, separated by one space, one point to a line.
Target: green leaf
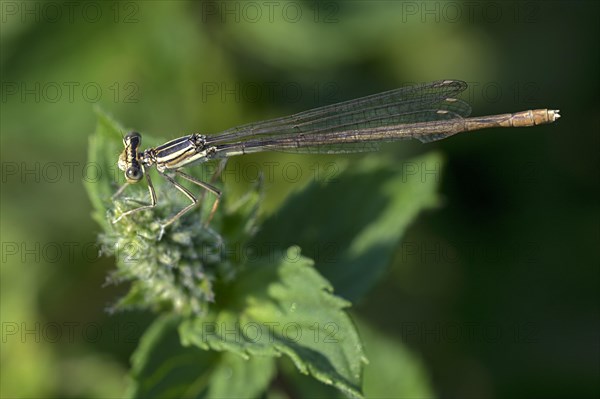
352 225
236 377
163 368
280 306
103 151
292 384
394 371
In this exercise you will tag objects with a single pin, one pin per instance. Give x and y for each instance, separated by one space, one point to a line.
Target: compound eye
132 136
133 174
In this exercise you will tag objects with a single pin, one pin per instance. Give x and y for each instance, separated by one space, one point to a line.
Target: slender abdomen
517 119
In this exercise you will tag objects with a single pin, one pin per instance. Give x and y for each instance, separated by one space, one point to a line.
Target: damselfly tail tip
553 115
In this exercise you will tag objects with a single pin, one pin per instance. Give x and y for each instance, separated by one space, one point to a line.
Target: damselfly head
128 160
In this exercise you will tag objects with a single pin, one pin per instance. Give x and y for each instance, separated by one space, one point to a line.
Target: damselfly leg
217 173
151 205
190 196
194 200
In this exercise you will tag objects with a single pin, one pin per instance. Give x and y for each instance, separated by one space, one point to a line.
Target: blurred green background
496 292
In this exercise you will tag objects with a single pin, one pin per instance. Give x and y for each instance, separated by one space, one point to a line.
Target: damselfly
426 112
